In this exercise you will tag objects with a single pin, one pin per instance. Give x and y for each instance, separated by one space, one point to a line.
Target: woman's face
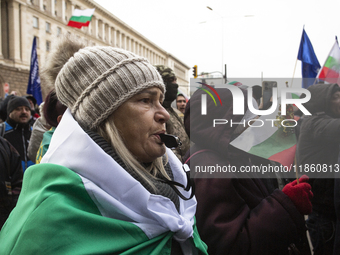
139 121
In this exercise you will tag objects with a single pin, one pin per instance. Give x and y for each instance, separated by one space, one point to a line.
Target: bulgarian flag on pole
270 141
330 71
81 18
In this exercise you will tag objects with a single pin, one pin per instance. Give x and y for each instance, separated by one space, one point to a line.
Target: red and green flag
330 71
81 18
271 140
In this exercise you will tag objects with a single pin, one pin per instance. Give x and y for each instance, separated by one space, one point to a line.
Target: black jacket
19 135
318 144
11 175
236 214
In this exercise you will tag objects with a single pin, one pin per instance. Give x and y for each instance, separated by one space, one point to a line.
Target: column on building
95 31
136 47
133 45
52 4
25 52
122 40
41 5
127 47
14 31
103 30
113 37
119 39
63 10
109 34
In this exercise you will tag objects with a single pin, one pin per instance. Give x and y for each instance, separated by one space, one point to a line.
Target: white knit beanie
97 80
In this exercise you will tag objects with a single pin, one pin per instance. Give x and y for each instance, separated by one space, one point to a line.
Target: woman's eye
145 100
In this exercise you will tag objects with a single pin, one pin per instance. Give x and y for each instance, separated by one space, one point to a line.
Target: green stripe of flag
274 144
81 19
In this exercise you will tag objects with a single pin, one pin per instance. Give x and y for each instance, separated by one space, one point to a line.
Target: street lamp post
223 76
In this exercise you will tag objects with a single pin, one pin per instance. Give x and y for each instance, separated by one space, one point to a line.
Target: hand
300 194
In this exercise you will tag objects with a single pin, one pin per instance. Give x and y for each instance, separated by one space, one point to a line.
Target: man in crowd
181 103
17 128
318 145
174 125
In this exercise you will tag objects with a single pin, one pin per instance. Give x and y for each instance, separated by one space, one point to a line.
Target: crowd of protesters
101 167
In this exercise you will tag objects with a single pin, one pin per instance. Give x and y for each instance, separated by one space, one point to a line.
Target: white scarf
115 192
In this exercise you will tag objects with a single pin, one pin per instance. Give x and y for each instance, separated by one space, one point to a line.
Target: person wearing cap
174 125
17 127
107 184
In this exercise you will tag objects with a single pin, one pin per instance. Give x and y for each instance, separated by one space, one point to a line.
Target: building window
35 22
48 45
44 6
48 27
37 41
58 31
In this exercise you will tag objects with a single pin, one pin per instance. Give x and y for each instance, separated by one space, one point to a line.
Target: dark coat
19 135
318 143
11 175
237 214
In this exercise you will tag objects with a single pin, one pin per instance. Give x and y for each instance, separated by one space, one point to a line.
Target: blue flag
310 65
33 87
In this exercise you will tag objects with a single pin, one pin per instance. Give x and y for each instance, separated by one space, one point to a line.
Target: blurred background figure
174 125
10 179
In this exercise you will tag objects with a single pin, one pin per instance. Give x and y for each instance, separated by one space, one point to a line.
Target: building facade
22 20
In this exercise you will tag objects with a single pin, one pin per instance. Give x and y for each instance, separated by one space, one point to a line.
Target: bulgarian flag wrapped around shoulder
81 18
272 141
330 71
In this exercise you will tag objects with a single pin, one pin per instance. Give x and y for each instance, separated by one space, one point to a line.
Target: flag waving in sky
330 71
33 86
81 18
310 64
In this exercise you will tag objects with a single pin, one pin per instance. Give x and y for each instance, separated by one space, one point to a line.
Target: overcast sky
266 42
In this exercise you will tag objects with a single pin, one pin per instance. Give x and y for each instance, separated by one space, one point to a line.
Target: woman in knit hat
107 184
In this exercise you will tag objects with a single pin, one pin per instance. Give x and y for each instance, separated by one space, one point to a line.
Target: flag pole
291 84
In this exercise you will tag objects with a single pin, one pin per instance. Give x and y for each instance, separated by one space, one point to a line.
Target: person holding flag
318 144
238 212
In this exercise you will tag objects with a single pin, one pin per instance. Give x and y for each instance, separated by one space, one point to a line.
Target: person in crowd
109 185
318 143
181 103
53 112
40 126
174 125
17 127
10 179
237 212
3 107
34 113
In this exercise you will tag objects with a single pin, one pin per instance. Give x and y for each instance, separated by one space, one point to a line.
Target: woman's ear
59 118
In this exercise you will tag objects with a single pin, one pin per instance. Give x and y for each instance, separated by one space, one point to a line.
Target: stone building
22 20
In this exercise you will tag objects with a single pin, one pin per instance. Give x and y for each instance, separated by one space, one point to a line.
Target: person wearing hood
107 184
238 213
318 144
174 125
